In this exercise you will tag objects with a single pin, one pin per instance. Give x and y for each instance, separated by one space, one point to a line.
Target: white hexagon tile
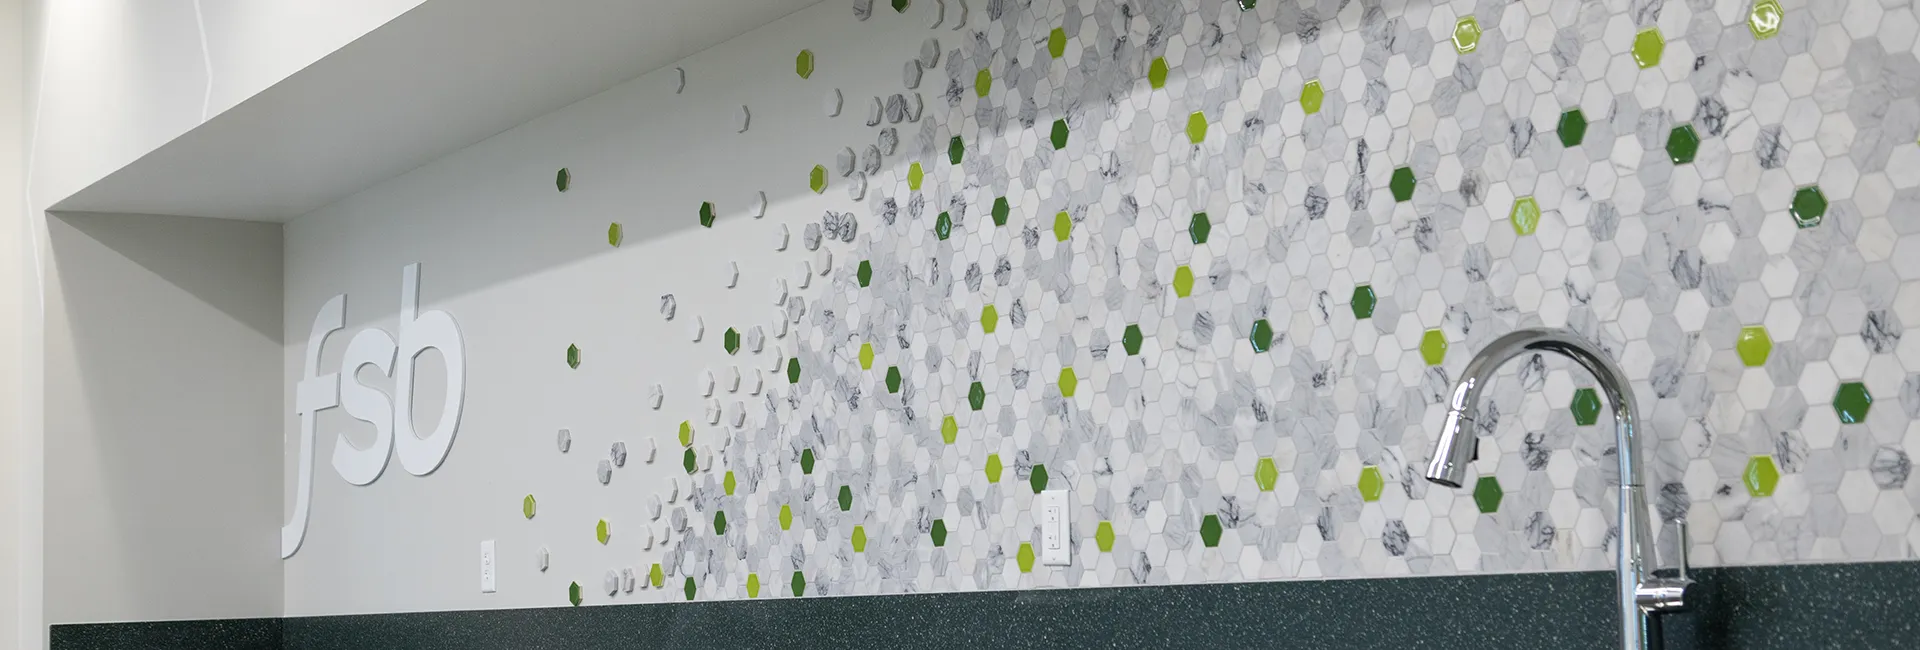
1211 264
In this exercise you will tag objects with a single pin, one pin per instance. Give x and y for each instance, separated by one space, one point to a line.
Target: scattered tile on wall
1298 222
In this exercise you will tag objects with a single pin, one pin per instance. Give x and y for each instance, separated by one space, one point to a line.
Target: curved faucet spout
1456 445
1639 595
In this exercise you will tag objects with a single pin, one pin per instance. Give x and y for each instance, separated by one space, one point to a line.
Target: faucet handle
1661 595
1685 546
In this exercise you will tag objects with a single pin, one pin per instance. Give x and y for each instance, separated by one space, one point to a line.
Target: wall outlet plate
1051 509
488 569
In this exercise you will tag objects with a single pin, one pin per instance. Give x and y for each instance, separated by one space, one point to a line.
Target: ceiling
442 76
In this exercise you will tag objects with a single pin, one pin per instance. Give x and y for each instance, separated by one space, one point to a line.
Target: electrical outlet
1056 527
487 568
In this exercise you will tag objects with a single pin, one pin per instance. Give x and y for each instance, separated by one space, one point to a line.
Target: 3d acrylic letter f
392 419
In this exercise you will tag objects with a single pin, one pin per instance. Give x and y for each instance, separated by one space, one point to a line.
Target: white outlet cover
1054 514
489 570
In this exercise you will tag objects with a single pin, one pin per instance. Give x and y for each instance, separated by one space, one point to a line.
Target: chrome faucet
1641 596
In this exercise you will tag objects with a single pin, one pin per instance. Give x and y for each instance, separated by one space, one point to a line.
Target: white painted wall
115 79
525 270
87 86
17 576
161 343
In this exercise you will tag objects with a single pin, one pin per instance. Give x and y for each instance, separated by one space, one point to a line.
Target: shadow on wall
162 418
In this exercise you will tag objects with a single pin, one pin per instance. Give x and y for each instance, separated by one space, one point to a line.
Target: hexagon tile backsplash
1210 264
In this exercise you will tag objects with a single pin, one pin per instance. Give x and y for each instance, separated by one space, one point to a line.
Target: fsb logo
392 419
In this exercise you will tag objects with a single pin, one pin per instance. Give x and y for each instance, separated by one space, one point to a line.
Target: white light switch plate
1056 527
487 568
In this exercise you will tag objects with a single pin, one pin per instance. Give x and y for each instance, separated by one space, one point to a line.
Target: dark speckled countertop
1805 606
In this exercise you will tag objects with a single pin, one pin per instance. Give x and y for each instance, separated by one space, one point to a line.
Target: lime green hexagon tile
690 461
1131 339
1183 282
602 532
1262 335
1026 557
1765 18
1585 407
528 507
1062 226
817 179
1057 43
859 539
720 522
866 356
1210 530
1363 302
956 150
949 429
1760 476
691 589
1000 211
865 273
707 214
989 319
943 226
982 82
786 517
806 461
977 396
803 64
615 234
1647 47
573 357
1197 127
729 484
1433 347
1038 478
845 499
1466 35
1371 483
1068 382
1683 143
686 433
1200 227
1157 73
657 577
1809 206
753 585
1754 345
1525 215
1573 128
573 594
915 176
939 533
1851 402
1059 135
563 179
1487 494
799 584
893 379
1103 536
1311 96
1266 474
1402 184
993 468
